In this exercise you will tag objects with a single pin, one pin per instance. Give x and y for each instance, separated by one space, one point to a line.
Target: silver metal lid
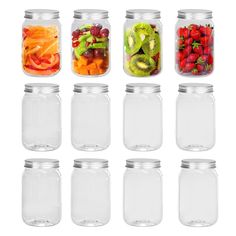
41 14
195 88
44 88
89 163
41 163
90 88
143 163
143 88
93 14
198 164
146 14
194 14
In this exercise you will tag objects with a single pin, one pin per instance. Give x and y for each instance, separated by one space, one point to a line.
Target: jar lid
44 88
194 14
90 88
143 88
198 164
89 163
143 163
195 88
41 14
146 14
93 14
41 163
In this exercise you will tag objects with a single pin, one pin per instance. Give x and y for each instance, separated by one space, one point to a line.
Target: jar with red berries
194 42
90 42
142 42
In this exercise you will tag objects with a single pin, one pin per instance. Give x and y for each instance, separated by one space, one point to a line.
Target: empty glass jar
41 192
195 117
90 117
142 117
41 117
143 192
198 203
90 192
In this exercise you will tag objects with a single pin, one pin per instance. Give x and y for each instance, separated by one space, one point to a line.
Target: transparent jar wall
198 203
90 121
41 121
195 122
143 122
94 59
201 60
41 197
41 47
142 197
90 197
153 57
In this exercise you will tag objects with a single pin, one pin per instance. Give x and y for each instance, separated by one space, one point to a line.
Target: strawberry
182 64
204 41
195 34
208 31
192 57
207 50
186 33
195 71
180 32
179 56
197 48
202 59
202 30
210 59
188 41
187 51
200 68
193 27
180 43
211 40
188 67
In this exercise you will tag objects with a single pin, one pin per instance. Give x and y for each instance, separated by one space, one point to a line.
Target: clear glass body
194 47
142 121
142 197
195 121
90 121
90 47
142 47
41 121
198 203
41 197
90 196
41 50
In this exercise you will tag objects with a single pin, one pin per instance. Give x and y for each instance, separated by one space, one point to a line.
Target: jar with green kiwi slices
142 42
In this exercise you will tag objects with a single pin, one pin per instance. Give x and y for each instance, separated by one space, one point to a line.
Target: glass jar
143 192
90 42
41 42
195 117
194 42
198 203
41 117
90 192
142 42
90 117
142 117
41 192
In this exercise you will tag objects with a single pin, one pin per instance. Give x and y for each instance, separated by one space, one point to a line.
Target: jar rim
141 163
44 88
93 14
91 88
194 14
198 88
198 164
41 14
41 163
90 163
146 14
143 88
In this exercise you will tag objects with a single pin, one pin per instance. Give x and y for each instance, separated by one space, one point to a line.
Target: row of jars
142 112
41 50
142 192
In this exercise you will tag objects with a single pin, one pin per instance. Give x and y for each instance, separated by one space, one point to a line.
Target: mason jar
41 42
143 192
198 201
142 42
90 42
41 117
195 117
194 42
41 192
142 117
90 192
90 117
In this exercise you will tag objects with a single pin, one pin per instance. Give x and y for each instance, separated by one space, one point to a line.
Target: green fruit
84 37
80 49
86 26
143 30
152 45
132 42
99 45
142 65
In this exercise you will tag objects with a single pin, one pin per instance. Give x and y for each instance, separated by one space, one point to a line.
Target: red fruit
193 27
210 59
179 56
75 44
98 26
182 64
204 41
192 57
202 30
211 40
195 34
186 33
88 53
187 51
208 31
104 33
76 34
198 50
200 68
180 32
202 59
180 43
95 31
188 67
207 50
195 71
99 52
188 41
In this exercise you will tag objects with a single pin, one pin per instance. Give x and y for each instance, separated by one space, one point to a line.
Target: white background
12 153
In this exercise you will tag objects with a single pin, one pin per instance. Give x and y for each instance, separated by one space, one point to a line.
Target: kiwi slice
144 30
132 42
142 65
152 45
